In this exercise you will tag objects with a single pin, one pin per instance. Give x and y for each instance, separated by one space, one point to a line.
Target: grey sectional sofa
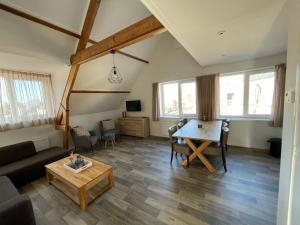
15 209
22 163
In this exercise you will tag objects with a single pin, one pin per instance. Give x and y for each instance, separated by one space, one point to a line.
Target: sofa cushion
7 189
31 168
13 153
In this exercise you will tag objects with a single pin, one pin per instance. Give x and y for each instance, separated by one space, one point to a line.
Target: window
25 99
232 95
247 94
261 87
178 98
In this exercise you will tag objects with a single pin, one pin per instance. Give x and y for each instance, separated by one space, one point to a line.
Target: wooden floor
149 190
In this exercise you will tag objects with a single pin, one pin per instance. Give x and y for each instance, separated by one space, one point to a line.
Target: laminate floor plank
150 190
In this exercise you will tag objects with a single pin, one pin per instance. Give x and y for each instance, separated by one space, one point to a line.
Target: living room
145 184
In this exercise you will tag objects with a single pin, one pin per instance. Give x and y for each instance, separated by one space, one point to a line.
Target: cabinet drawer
129 132
134 126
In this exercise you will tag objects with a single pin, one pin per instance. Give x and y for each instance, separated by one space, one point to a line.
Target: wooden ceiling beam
139 31
99 91
88 24
56 28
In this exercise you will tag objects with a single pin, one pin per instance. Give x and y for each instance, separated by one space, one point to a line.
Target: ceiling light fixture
114 76
221 32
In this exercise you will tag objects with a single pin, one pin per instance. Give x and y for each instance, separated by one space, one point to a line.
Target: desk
209 133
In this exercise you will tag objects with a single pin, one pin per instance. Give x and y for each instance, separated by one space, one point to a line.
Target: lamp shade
114 76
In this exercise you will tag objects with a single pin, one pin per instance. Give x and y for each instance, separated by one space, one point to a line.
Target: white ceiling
254 28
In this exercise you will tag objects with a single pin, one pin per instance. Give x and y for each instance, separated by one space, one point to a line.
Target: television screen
133 106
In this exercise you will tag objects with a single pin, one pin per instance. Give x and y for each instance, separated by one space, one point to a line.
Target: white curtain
26 99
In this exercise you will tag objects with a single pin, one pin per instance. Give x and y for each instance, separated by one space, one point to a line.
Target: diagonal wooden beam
55 27
63 112
139 31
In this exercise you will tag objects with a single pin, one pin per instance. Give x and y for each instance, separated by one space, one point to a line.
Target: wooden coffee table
83 187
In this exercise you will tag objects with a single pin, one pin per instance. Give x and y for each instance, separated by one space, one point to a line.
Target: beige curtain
155 102
25 100
207 96
278 96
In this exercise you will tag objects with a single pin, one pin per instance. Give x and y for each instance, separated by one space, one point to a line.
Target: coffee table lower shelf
86 194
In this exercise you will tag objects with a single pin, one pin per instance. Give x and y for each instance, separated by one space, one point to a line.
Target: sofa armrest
16 211
82 141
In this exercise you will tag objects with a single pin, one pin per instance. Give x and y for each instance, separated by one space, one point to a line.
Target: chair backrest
181 123
79 131
226 123
224 136
184 120
171 131
105 125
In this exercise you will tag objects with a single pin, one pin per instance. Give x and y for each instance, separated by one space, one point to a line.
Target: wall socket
290 96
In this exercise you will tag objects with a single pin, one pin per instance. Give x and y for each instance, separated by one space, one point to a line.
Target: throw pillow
81 131
108 124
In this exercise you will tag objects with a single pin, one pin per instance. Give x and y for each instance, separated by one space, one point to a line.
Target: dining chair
226 123
219 148
178 145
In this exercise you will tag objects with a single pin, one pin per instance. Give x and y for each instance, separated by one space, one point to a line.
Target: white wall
170 63
91 121
289 183
45 136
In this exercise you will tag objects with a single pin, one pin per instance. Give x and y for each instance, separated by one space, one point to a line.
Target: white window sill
175 118
241 118
167 119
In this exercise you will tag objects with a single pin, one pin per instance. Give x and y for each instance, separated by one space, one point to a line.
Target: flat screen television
133 106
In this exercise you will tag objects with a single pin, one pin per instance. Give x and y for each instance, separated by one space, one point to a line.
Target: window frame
13 81
246 115
161 96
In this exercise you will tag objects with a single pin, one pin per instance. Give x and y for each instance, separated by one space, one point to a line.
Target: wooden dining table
206 132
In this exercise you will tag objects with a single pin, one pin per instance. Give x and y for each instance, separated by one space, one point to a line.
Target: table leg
83 198
49 176
197 152
111 179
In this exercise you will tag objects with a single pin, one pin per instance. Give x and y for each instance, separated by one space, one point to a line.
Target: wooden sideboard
134 126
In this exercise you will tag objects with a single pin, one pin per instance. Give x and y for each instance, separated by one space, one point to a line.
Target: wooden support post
63 112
